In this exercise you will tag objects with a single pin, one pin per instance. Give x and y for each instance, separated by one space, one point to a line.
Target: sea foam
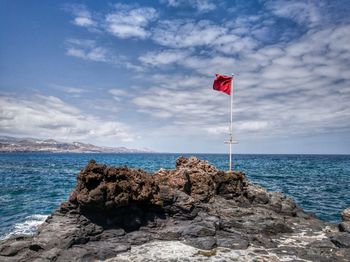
28 227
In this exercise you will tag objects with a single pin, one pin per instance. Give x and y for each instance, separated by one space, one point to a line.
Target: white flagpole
231 128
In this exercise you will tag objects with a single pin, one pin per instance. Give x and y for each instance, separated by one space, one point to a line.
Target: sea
32 185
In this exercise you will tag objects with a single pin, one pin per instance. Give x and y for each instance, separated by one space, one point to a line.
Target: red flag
222 83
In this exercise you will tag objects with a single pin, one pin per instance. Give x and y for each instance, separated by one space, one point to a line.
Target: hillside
13 144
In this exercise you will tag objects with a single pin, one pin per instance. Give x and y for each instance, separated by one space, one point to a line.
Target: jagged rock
275 227
13 248
257 195
323 243
231 240
345 215
205 243
99 187
341 240
112 209
344 226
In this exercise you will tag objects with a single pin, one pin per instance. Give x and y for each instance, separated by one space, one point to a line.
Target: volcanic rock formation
115 211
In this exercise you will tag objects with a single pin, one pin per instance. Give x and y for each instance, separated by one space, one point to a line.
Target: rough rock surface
346 214
117 213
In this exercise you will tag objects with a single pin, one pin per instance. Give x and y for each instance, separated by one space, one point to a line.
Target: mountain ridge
29 144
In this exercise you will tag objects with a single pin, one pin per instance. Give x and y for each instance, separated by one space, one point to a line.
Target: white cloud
201 5
50 117
202 34
215 130
117 92
163 57
287 89
88 50
84 21
83 16
179 81
252 125
186 33
289 83
234 44
127 21
69 89
211 65
193 103
302 12
74 90
94 54
242 126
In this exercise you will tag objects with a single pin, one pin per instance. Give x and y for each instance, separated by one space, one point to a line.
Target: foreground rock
193 212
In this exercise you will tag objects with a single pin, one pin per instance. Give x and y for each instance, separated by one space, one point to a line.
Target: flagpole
231 127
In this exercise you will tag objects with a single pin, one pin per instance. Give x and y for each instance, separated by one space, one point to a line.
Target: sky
140 74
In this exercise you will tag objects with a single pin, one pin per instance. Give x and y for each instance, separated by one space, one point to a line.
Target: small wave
28 227
5 198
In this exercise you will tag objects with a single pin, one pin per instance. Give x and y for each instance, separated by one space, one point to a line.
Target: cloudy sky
140 74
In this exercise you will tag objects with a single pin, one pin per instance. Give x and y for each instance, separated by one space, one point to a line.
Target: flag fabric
222 84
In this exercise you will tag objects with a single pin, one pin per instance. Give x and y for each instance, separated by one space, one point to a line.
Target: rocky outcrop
343 239
115 211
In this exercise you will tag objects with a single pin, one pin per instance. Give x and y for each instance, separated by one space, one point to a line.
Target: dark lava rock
204 243
114 208
275 227
341 240
344 226
229 240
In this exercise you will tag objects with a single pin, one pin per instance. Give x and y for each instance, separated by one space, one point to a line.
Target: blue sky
139 74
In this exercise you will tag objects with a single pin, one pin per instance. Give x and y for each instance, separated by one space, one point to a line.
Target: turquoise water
33 184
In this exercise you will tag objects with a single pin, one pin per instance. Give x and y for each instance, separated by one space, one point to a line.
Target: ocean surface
32 185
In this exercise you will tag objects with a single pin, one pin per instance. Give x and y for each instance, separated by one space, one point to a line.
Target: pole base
230 172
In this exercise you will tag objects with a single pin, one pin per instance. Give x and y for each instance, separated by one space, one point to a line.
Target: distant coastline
10 144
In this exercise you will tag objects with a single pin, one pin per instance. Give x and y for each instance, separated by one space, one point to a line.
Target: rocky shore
191 213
